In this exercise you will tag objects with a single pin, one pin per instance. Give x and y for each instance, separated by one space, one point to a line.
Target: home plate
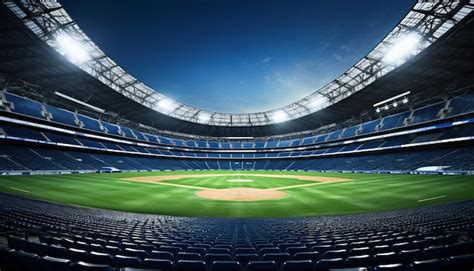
239 180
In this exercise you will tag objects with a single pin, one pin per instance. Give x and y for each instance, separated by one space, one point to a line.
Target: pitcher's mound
241 194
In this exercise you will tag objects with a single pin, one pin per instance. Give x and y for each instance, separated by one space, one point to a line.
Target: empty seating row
458 105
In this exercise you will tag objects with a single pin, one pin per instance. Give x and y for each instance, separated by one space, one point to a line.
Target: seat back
226 266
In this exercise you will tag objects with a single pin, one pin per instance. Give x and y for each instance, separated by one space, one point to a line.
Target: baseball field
242 193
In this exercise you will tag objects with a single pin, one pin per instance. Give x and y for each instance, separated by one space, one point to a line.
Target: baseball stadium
371 170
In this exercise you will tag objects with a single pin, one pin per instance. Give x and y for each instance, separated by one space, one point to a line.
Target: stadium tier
429 238
371 171
425 128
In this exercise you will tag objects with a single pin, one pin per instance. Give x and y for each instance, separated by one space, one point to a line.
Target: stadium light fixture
203 117
279 116
317 102
167 105
72 49
404 48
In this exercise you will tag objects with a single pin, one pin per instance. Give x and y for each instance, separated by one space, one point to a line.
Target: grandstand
64 118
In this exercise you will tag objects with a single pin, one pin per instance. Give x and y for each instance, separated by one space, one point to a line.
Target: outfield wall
408 172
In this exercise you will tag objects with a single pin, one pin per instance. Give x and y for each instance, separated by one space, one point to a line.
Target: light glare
406 47
204 117
167 105
72 49
279 116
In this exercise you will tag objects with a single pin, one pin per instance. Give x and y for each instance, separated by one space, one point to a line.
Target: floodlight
377 110
72 49
395 104
405 100
167 104
402 49
279 116
203 117
386 107
317 102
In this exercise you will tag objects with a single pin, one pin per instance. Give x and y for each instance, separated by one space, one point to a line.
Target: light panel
402 49
72 49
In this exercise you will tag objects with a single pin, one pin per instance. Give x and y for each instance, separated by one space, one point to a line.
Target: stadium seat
140 253
247 250
84 266
189 256
244 259
330 254
298 265
408 256
461 262
321 248
313 256
278 258
200 250
325 264
99 258
225 266
391 267
162 255
172 249
427 265
359 261
164 265
360 251
209 258
48 263
262 266
293 250
126 261
21 260
386 258
185 265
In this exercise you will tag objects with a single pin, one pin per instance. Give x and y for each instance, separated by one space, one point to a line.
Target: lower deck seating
73 238
34 158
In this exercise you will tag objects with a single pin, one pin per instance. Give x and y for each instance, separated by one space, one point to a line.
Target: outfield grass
363 193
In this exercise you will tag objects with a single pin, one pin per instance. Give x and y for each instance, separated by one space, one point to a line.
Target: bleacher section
33 158
59 237
454 107
27 146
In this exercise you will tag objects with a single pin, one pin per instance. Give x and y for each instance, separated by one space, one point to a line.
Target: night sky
236 56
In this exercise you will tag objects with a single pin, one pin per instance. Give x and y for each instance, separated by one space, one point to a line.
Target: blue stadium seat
184 265
126 261
48 263
427 265
164 265
84 266
225 266
298 265
262 266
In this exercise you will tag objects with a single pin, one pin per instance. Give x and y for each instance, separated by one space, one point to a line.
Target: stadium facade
390 113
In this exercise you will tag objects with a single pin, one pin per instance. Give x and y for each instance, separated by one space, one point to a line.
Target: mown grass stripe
18 189
433 198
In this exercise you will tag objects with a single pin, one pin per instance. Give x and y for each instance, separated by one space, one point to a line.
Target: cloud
338 57
266 59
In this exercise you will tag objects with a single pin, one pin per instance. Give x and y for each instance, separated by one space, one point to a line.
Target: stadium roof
43 45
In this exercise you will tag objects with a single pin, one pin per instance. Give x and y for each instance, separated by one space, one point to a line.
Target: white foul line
433 198
18 189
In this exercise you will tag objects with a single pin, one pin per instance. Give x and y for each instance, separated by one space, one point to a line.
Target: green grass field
360 193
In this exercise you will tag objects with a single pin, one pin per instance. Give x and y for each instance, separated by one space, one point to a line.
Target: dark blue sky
236 56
